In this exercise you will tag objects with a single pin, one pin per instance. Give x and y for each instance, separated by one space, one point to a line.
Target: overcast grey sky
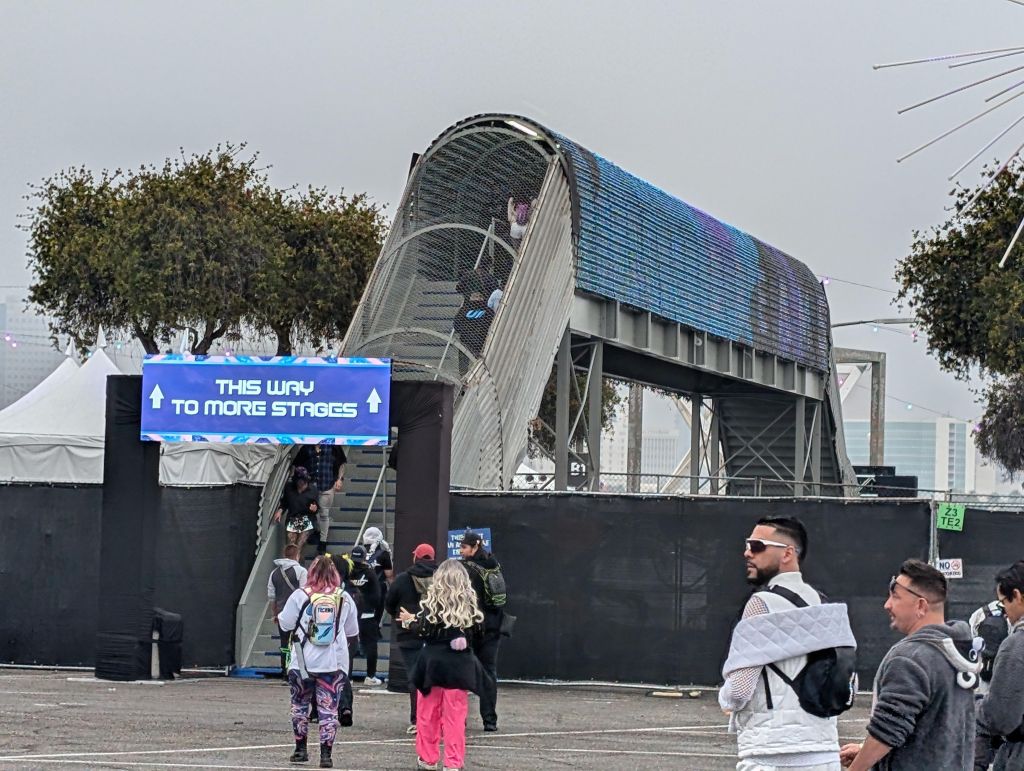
767 115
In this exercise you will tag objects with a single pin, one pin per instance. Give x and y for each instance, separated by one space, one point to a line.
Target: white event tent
54 434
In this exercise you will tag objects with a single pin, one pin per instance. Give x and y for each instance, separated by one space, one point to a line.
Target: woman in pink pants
447 669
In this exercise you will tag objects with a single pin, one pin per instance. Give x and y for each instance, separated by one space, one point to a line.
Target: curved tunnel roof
638 245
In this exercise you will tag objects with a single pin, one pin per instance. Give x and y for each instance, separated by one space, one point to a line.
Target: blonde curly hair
450 600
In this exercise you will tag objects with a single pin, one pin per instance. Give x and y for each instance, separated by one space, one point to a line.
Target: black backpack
993 629
827 684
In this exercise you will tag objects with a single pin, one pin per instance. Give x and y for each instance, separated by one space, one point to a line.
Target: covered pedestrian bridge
607 275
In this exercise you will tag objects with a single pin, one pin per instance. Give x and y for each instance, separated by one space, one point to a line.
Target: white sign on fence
951 567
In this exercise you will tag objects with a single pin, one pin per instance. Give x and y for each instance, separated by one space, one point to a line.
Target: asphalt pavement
67 719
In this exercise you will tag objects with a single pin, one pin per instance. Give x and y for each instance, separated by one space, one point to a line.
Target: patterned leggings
327 686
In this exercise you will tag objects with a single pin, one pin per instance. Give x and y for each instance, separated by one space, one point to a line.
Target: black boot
325 756
300 755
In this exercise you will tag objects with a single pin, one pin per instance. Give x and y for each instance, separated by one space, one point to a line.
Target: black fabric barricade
128 536
990 542
49 573
632 588
422 412
204 554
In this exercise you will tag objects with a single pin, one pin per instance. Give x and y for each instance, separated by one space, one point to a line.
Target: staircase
362 474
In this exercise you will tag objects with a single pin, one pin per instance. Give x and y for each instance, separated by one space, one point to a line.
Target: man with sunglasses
923 711
782 622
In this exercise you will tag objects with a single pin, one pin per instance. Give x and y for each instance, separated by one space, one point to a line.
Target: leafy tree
309 290
203 245
151 251
971 309
1001 431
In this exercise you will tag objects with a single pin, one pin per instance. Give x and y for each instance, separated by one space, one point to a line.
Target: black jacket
364 579
492 616
405 592
296 504
439 665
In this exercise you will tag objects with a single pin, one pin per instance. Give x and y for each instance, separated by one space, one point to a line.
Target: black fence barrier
49 573
630 588
49 569
204 554
990 542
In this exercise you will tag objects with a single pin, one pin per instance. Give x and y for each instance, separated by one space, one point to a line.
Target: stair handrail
373 498
253 604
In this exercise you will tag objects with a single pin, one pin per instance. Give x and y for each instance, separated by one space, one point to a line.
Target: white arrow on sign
156 397
374 401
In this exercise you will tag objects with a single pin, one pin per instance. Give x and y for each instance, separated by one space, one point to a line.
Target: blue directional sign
270 400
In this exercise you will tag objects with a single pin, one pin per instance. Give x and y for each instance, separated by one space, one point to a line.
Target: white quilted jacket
784 636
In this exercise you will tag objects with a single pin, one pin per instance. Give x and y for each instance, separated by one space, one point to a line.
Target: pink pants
442 714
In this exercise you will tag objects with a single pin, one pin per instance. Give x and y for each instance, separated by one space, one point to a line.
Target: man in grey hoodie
287 576
1001 715
923 712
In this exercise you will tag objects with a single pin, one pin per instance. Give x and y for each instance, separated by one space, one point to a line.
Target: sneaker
425 766
490 727
411 730
373 681
451 768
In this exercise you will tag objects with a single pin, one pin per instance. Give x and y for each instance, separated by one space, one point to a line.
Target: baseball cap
469 538
357 554
424 550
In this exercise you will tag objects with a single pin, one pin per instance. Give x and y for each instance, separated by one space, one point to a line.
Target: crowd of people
448 620
948 695
789 672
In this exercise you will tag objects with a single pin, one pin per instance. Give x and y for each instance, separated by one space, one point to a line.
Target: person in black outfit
326 466
364 578
346 701
471 324
485 645
406 592
299 499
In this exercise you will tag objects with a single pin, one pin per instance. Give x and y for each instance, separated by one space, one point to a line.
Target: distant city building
941 453
26 354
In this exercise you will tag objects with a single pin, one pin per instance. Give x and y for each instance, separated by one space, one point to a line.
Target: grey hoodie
282 564
1002 712
920 709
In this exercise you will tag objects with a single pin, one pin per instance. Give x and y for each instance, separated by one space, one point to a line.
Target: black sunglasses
893 583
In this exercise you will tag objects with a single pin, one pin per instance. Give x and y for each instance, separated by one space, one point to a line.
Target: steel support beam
562 413
713 453
595 383
695 441
800 449
634 437
816 426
